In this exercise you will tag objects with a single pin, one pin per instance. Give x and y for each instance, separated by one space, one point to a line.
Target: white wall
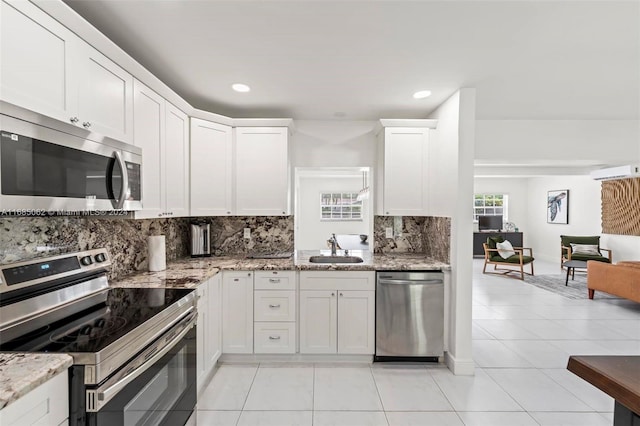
584 219
604 141
451 171
517 189
333 143
311 232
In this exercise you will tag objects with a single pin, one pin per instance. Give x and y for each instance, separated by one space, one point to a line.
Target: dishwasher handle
410 282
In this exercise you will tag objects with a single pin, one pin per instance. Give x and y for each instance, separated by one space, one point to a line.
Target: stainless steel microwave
46 169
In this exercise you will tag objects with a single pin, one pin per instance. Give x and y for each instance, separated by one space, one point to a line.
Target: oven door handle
98 398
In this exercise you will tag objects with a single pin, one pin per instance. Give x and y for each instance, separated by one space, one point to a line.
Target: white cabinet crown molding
427 123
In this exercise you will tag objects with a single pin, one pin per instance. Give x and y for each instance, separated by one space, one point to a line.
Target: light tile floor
522 338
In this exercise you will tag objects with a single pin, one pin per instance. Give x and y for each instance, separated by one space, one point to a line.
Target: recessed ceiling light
239 87
422 94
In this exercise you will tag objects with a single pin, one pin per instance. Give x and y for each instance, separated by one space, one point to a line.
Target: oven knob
100 257
86 261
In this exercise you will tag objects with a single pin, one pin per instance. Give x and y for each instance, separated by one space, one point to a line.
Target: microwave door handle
118 203
205 241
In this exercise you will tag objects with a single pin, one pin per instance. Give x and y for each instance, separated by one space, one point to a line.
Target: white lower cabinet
274 337
274 304
237 311
48 404
337 312
209 328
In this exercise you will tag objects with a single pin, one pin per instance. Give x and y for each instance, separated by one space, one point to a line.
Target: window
490 205
336 206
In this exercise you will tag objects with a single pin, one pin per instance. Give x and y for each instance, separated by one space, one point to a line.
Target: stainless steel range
133 349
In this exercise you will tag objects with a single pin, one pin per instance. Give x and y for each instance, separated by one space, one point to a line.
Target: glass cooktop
96 328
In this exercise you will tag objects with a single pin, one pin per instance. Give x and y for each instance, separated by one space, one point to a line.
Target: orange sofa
621 279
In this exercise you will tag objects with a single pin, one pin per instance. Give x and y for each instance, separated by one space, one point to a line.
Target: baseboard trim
459 367
294 358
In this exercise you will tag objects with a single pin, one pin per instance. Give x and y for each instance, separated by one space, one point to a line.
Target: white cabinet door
356 322
262 171
36 56
237 312
318 321
211 168
148 134
209 329
202 329
214 336
405 172
105 95
176 162
47 404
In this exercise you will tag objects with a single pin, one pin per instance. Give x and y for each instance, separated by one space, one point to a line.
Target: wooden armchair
567 254
517 261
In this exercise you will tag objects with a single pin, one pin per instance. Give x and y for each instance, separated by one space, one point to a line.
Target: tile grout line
246 398
375 383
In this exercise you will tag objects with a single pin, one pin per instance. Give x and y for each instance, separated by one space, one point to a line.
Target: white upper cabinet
105 95
161 130
48 69
241 173
148 134
176 162
36 56
262 171
211 168
403 157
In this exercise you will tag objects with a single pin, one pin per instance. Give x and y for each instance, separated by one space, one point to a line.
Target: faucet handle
346 252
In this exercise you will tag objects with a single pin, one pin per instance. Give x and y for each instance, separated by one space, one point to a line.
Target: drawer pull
274 280
274 337
274 306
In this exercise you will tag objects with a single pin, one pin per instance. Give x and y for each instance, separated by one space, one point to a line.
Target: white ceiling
362 60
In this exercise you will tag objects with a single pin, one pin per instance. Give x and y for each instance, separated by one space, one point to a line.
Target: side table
571 266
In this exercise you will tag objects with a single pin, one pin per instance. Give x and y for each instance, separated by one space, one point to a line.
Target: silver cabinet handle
274 337
74 120
236 279
274 306
333 294
341 294
228 212
86 124
274 280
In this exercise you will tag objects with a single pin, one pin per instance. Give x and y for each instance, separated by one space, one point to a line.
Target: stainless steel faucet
333 242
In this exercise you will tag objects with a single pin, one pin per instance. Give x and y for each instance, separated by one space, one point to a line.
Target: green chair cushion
568 239
492 241
513 259
586 257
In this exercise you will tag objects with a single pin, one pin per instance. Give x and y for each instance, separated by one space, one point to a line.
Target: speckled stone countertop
375 262
23 372
189 272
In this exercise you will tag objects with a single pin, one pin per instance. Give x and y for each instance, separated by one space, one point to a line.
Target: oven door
49 170
157 387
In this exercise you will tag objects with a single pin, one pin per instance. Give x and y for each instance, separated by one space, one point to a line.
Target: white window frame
485 207
340 207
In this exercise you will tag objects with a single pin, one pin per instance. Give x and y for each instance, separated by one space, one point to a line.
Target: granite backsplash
24 238
429 235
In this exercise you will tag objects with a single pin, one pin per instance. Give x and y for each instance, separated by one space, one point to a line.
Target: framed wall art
558 206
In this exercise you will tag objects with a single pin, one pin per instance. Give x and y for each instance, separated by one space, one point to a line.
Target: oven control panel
36 271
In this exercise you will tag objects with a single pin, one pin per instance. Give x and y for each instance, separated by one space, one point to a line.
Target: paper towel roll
157 253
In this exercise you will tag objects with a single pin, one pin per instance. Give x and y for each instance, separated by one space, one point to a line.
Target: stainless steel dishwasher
409 316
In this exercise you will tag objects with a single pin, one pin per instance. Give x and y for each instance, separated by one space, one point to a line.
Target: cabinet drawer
274 305
275 337
334 280
275 280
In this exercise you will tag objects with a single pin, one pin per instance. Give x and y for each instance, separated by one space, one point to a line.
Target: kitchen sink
335 259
